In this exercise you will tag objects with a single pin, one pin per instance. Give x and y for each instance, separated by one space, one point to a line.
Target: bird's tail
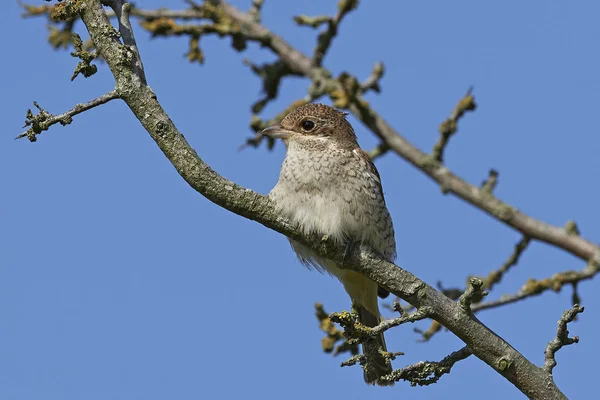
379 365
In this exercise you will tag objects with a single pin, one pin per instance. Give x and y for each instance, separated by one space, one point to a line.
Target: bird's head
313 121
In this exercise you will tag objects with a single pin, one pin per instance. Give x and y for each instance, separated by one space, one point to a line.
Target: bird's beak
276 132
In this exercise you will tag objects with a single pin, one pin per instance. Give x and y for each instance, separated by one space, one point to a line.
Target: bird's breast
330 192
308 194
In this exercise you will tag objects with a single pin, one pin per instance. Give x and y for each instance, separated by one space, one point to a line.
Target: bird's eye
307 125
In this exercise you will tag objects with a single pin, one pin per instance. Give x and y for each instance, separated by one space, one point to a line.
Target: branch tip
496 276
326 37
473 294
490 183
450 125
43 120
372 82
562 338
255 9
571 228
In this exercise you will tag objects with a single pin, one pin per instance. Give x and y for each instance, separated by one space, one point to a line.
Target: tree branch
427 372
122 10
488 283
535 287
372 82
357 332
562 338
255 9
326 37
496 276
450 125
43 120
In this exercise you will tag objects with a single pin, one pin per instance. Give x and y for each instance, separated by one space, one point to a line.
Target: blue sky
118 281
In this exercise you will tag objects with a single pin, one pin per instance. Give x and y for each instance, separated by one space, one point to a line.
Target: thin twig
326 37
255 9
357 332
271 75
427 372
422 313
490 183
496 276
450 125
562 338
372 82
44 120
535 287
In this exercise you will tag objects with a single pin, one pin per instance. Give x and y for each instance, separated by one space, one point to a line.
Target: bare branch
490 183
450 125
357 332
427 372
535 287
488 283
562 338
43 119
271 75
422 313
496 276
255 10
372 82
325 38
35 10
363 361
473 294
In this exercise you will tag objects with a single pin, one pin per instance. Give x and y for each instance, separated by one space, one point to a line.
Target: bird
329 186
